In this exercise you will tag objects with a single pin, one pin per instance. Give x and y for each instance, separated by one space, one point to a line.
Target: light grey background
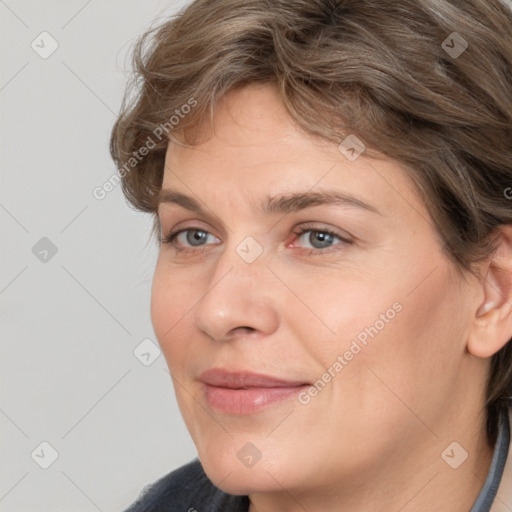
71 321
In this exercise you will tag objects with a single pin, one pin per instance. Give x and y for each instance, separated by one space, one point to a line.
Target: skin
372 438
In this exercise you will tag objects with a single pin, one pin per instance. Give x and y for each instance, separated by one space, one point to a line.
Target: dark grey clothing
188 489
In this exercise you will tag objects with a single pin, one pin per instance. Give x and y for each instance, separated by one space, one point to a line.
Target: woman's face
307 264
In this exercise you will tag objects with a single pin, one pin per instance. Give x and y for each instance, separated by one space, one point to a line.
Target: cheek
412 363
335 310
172 297
398 349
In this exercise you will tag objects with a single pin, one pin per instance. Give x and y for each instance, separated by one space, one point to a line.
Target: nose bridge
245 260
238 294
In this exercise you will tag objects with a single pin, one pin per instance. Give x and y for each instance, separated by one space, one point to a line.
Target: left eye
315 239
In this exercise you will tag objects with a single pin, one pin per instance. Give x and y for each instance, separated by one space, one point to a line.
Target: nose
240 300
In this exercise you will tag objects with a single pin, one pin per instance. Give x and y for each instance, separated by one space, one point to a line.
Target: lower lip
247 401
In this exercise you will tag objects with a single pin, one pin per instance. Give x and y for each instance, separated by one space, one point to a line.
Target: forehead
255 148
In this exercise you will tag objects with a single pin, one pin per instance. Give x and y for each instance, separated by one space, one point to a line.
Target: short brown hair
380 69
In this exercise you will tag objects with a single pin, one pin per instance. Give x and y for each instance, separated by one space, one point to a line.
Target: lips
239 380
246 392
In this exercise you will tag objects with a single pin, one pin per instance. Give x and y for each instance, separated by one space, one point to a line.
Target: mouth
242 393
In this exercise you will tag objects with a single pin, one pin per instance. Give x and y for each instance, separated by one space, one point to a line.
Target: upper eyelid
224 229
204 225
198 226
299 230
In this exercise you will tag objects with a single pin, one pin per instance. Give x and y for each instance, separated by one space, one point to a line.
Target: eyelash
171 237
319 252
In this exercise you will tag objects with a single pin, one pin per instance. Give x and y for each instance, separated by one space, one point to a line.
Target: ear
492 323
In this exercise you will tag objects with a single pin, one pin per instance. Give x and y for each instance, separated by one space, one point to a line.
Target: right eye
189 238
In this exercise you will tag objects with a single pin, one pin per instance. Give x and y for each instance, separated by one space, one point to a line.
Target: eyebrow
281 204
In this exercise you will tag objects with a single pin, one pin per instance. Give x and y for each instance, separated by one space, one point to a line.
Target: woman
331 188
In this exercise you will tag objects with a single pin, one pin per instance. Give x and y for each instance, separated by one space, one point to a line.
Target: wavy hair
425 82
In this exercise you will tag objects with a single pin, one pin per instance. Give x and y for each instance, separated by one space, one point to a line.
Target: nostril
243 329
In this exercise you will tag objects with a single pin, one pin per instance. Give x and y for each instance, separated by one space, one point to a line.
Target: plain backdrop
88 415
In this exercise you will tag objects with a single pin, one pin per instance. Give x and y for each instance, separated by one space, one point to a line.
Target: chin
238 470
243 481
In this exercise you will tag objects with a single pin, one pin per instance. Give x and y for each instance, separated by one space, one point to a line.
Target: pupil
196 237
320 240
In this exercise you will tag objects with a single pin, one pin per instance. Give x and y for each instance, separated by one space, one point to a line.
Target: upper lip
244 380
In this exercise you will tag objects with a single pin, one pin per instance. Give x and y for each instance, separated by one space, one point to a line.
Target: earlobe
492 325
